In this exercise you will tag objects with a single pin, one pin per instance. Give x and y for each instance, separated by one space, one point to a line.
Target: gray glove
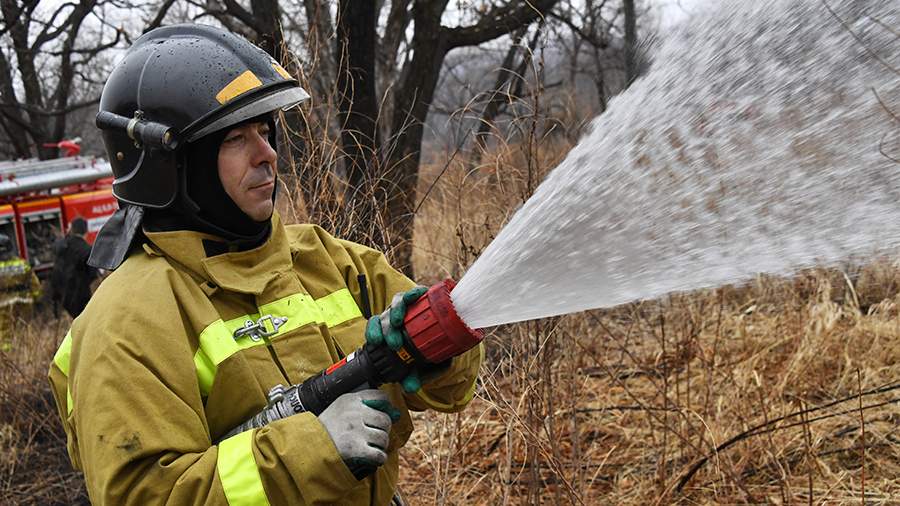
358 423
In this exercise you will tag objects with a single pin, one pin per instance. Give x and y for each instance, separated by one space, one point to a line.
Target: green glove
387 328
398 305
385 407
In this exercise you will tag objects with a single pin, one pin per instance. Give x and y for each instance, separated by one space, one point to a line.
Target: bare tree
382 151
37 75
53 65
507 88
413 93
609 37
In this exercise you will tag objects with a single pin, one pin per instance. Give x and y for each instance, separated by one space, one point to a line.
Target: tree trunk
358 113
411 110
630 40
67 70
17 23
14 122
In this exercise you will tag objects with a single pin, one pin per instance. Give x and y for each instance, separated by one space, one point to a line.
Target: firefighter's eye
233 139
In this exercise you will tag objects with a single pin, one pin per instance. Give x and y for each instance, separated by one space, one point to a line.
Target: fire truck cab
39 198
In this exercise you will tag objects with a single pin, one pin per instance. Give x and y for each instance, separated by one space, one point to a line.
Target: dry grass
607 407
615 406
34 465
619 406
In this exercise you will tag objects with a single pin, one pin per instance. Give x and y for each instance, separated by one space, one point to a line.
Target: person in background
70 280
19 289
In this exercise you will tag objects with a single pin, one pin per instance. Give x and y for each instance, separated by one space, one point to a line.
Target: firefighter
19 289
183 341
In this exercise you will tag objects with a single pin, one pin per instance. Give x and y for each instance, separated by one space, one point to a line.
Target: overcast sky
675 11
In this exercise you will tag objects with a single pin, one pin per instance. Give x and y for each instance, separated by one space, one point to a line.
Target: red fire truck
39 198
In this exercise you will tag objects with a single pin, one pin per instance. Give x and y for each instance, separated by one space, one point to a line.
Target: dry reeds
783 390
34 465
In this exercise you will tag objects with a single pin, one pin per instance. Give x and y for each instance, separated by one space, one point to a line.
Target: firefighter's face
247 169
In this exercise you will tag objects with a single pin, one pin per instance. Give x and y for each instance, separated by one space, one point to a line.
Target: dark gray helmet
175 85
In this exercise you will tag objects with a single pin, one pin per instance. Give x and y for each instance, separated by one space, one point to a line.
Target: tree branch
498 22
243 15
46 35
90 52
53 112
160 15
590 38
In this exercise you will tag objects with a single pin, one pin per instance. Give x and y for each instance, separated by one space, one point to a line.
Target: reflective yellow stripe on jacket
62 358
217 342
236 464
239 473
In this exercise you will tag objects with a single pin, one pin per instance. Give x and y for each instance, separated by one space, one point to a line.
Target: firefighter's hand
359 423
388 328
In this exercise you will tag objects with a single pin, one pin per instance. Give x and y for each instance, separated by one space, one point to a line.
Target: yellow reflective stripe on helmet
241 84
238 472
62 359
284 73
217 341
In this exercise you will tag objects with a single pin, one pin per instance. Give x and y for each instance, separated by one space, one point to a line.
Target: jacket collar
247 271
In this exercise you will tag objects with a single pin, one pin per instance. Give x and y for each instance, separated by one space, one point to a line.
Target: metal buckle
257 330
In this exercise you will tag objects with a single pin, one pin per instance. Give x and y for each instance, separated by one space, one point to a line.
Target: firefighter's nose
264 152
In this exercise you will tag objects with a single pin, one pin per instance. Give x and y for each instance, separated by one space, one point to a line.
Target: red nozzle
434 327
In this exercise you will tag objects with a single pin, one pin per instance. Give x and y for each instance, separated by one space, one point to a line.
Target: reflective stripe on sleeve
238 472
217 341
62 359
216 344
64 354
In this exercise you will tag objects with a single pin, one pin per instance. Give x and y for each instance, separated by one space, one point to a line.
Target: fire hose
433 333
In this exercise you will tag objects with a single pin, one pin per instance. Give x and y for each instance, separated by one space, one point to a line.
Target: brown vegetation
629 405
783 390
34 465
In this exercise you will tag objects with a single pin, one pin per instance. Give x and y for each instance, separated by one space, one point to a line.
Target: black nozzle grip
143 132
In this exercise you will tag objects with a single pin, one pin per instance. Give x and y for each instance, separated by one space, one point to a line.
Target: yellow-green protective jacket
149 376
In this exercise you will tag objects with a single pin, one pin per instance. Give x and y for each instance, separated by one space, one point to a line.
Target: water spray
764 158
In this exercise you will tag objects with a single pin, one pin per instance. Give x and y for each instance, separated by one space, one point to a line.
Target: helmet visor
282 99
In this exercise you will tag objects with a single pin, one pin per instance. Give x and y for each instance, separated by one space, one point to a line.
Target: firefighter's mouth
265 185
